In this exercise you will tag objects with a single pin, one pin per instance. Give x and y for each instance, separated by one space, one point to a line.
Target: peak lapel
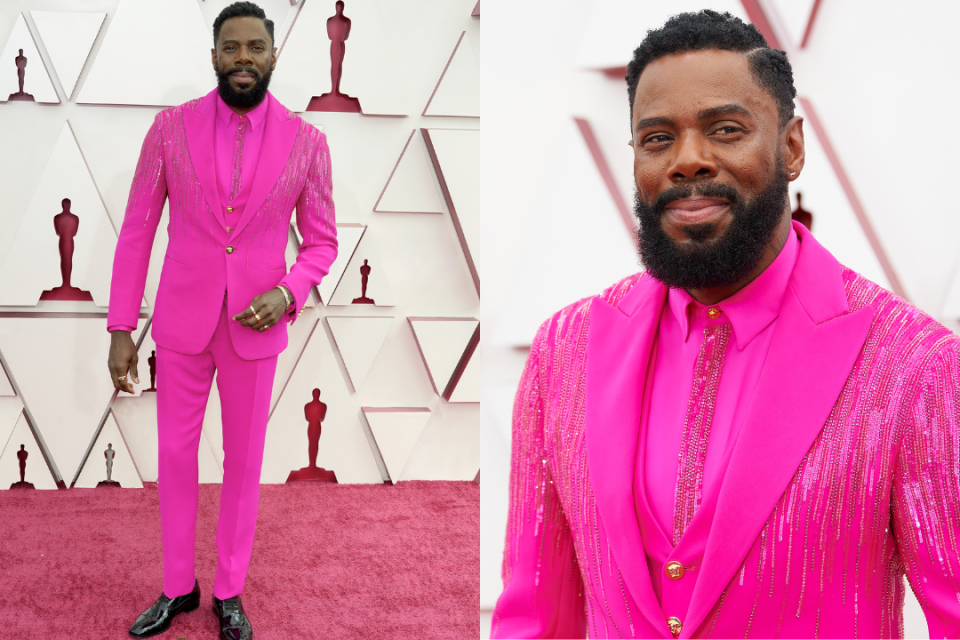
199 124
618 351
814 347
278 138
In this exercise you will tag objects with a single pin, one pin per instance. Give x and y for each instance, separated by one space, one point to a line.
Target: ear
213 58
792 147
273 61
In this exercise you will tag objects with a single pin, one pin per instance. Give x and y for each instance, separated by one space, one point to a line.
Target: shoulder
907 334
174 114
572 321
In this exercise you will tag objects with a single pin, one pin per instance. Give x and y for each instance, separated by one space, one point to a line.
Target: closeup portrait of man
747 439
233 165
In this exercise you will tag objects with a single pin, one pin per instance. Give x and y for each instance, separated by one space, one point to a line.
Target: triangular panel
458 90
369 69
297 334
397 431
67 390
6 389
467 388
797 17
36 80
117 75
348 238
456 154
442 342
68 37
359 340
835 223
36 242
36 471
137 420
342 447
123 470
350 290
476 14
10 410
411 187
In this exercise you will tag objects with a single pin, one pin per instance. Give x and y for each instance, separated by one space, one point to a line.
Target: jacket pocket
178 260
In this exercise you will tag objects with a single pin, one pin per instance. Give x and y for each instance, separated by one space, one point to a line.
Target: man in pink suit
233 164
749 439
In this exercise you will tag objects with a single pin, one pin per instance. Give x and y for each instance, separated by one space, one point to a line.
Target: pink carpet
330 562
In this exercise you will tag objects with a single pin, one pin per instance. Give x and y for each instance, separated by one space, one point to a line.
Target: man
749 439
234 164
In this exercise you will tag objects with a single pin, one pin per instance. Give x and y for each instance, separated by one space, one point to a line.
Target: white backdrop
878 166
100 70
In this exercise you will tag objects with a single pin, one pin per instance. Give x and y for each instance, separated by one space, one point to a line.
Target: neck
770 253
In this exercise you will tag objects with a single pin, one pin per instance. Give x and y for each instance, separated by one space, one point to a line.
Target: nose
692 159
244 57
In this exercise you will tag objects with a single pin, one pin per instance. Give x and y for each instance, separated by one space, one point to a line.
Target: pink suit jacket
177 161
846 474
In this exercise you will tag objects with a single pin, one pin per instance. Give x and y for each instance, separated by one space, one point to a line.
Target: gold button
229 249
228 229
229 209
713 313
674 570
675 625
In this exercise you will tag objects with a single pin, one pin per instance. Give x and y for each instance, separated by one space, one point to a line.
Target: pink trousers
183 385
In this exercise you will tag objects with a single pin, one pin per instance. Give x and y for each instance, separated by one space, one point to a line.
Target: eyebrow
705 114
257 40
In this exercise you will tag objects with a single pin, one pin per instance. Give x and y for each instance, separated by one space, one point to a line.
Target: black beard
718 262
243 98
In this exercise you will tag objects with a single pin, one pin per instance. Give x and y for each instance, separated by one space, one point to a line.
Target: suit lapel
278 138
618 350
199 124
814 347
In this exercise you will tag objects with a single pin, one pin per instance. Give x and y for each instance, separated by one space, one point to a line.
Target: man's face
711 166
243 60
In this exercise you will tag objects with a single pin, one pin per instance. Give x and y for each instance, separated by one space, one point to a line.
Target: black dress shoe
233 621
157 618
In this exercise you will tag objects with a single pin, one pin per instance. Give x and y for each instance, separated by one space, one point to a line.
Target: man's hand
264 312
122 360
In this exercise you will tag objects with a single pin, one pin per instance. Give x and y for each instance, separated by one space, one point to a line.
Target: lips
243 76
693 210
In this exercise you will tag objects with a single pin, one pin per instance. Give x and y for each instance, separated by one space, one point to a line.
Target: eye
729 129
656 139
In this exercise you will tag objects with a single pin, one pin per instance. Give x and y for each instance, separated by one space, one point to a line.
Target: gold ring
265 328
257 317
121 377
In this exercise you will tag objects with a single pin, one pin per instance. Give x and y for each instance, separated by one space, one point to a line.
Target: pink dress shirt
236 156
753 313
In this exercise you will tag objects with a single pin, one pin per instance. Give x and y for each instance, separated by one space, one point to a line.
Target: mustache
703 190
232 70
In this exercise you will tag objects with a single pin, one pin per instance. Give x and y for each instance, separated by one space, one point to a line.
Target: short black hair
706 30
241 10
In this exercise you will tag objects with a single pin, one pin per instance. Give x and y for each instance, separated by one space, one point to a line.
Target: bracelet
286 296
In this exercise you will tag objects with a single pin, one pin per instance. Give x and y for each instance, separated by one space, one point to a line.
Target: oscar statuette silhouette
108 454
364 278
314 411
22 458
66 225
338 30
801 215
21 61
152 361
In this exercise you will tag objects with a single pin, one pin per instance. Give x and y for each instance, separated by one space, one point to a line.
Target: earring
793 173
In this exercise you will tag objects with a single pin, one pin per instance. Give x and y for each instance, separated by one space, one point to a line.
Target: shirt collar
751 309
255 116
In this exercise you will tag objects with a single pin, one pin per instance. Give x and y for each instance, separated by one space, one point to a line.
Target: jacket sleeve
926 492
543 594
318 228
148 193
